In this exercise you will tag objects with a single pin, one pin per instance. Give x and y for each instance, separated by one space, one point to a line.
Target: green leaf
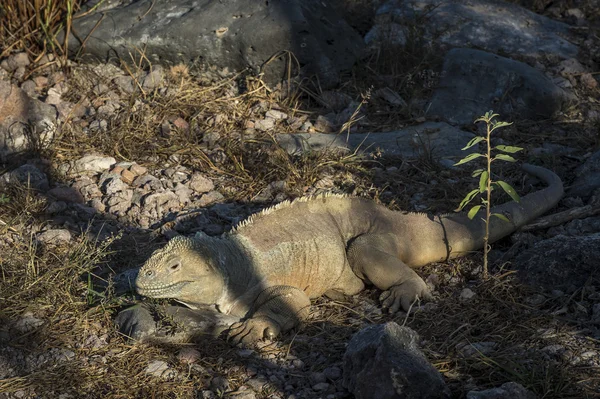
504 157
469 158
508 148
467 199
501 217
483 180
477 172
498 125
472 142
509 190
473 211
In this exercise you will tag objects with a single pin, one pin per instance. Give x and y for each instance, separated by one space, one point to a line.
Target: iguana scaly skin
269 267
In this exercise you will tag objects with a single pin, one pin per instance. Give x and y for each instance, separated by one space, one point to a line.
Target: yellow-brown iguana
266 270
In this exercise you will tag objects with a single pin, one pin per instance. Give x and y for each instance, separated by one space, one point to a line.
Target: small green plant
486 183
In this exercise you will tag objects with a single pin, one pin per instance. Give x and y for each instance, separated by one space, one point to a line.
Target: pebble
54 236
467 294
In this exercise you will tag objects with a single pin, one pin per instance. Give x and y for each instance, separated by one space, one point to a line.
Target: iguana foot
252 330
405 294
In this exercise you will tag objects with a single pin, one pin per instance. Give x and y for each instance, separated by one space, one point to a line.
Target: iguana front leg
374 257
276 309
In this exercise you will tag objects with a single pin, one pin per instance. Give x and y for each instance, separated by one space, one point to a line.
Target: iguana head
184 270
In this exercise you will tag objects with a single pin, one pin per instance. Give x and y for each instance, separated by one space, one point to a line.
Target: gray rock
154 78
560 262
114 186
476 349
467 294
27 175
16 61
92 164
140 323
473 82
54 236
588 178
210 198
499 27
384 361
333 373
160 369
437 140
232 35
201 184
509 390
219 384
27 323
25 122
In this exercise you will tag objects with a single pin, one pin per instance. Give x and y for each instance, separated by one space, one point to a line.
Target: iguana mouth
162 291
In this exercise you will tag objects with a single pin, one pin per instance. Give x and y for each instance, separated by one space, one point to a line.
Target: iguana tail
464 235
530 207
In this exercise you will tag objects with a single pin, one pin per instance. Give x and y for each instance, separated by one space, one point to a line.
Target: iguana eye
149 273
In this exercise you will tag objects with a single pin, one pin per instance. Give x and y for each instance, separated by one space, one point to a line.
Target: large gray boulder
384 362
474 82
436 140
233 34
495 26
561 262
588 178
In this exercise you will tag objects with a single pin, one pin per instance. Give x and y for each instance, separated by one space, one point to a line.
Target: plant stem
488 203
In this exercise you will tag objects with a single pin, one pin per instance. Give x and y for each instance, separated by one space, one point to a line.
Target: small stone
324 125
264 124
28 322
29 87
509 390
219 384
245 352
54 236
15 61
127 176
476 349
188 355
257 384
114 186
275 114
209 198
93 163
138 170
333 373
588 80
466 294
157 368
316 378
27 175
154 79
56 207
201 184
322 386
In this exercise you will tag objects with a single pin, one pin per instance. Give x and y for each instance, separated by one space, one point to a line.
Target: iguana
266 270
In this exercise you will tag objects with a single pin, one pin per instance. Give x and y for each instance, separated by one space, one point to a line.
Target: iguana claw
405 294
252 330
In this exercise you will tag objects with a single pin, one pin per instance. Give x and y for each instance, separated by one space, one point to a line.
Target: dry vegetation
64 287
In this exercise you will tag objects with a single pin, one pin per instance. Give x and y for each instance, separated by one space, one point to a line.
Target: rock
476 349
154 78
189 355
384 361
28 175
15 61
498 27
436 139
92 164
559 262
321 386
20 118
333 373
210 198
160 369
489 81
588 178
226 35
509 390
54 236
139 323
27 323
467 294
201 184
219 384
67 194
